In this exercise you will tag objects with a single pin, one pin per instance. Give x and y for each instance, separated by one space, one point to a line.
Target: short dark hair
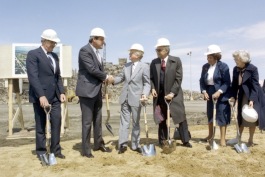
92 37
216 56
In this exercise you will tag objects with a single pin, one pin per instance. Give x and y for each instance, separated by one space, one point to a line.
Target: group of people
162 78
215 84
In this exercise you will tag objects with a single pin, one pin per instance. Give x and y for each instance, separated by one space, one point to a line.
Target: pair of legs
222 133
251 133
126 111
91 116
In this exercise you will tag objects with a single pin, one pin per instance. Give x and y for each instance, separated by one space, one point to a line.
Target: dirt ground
18 158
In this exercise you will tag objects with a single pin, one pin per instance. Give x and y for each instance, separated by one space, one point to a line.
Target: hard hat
162 42
249 114
213 49
50 35
97 32
137 47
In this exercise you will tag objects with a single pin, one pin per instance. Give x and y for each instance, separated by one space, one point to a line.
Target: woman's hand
206 96
250 104
216 95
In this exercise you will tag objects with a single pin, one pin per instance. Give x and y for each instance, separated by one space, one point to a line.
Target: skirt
223 111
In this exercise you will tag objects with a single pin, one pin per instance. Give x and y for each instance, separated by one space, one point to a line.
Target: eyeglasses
52 42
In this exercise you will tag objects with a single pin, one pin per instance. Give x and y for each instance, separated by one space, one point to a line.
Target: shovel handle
214 111
107 103
145 122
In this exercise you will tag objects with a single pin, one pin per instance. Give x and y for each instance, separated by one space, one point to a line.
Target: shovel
240 147
51 160
108 126
148 149
213 144
170 146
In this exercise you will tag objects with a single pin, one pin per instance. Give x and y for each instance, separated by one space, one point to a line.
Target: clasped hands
169 96
109 80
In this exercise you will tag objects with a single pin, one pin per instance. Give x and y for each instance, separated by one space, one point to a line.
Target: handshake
109 80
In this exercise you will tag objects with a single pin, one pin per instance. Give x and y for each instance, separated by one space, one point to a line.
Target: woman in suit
245 89
214 84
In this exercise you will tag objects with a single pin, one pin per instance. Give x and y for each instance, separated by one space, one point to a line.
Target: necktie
163 65
51 61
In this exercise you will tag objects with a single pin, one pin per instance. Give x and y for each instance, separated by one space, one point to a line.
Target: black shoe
61 156
122 149
139 150
88 155
187 144
103 149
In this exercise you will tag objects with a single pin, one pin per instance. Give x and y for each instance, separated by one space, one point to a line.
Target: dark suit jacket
221 79
91 73
42 79
252 90
250 83
172 83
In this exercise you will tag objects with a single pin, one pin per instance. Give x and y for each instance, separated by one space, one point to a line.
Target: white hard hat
50 35
213 49
162 42
137 47
97 32
249 114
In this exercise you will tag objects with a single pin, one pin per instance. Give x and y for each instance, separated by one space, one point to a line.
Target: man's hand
144 97
110 80
62 98
43 101
154 94
169 96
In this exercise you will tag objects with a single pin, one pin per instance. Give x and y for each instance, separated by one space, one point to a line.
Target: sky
189 26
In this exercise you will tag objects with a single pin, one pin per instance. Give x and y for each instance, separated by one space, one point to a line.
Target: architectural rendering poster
19 55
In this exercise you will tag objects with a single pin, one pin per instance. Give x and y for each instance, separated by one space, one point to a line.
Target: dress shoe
187 144
88 155
139 150
122 149
61 156
103 149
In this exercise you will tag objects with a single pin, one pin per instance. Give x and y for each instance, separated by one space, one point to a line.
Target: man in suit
136 78
166 77
91 75
46 88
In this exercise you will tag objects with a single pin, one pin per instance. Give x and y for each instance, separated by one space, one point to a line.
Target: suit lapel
128 70
95 57
216 71
46 59
158 68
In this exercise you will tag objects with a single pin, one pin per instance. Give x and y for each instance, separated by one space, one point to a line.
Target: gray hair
242 55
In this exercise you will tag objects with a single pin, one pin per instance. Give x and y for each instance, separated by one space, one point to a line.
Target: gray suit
90 77
135 85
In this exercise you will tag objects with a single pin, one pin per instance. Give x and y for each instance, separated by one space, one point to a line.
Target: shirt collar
165 59
94 49
45 51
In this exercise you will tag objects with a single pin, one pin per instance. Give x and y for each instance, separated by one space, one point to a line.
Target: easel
13 86
13 115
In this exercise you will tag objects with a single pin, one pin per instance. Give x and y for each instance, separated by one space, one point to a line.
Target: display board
13 59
